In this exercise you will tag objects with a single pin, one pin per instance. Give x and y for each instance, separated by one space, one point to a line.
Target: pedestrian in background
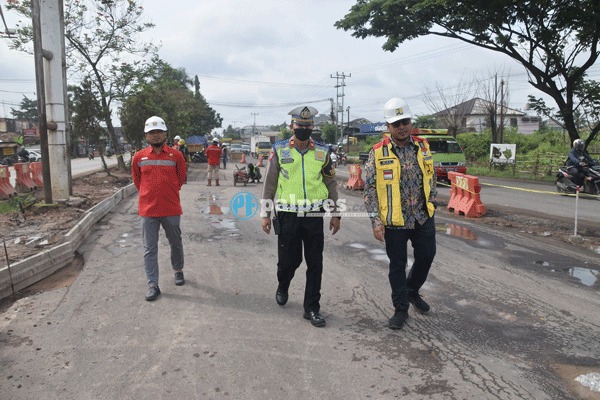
300 176
400 195
213 153
158 173
224 156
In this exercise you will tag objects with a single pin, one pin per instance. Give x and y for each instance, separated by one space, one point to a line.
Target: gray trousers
150 232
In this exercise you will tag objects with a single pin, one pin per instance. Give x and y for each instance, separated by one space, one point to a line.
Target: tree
555 40
28 110
443 103
165 93
328 133
102 39
425 122
85 110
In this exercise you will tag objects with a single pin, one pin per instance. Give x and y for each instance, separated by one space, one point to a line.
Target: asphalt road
514 316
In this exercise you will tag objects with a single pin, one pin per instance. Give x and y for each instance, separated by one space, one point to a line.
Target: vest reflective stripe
388 170
164 163
305 190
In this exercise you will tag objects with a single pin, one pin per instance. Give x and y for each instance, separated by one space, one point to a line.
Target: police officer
300 179
400 194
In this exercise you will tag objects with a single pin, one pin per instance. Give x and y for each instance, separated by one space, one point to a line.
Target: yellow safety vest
300 185
387 168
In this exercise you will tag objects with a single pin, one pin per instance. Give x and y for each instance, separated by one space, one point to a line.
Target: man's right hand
379 232
266 225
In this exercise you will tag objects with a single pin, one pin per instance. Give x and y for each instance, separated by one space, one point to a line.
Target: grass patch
17 204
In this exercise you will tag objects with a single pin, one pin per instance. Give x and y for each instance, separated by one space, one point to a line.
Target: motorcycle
240 175
198 157
254 173
565 182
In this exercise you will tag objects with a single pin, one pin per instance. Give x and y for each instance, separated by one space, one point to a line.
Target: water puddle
357 245
460 231
587 276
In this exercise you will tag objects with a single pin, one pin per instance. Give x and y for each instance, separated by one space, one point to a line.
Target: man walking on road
400 193
213 153
301 176
158 173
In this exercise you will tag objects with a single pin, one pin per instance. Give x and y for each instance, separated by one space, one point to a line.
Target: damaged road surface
514 316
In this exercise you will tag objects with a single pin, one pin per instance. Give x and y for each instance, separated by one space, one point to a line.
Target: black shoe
179 278
417 301
281 297
315 318
152 293
398 320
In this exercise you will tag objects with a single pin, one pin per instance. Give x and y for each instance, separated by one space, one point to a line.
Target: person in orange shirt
213 153
158 173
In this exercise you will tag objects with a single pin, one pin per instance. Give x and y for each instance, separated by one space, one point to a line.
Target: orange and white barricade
464 195
23 182
355 181
6 189
36 174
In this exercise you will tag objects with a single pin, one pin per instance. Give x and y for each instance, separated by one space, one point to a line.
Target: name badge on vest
388 174
319 155
386 162
286 156
423 149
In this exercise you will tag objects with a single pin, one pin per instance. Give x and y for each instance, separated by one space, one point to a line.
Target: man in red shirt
213 153
158 173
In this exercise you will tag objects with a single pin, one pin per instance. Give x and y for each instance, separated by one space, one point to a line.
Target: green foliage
425 122
556 41
85 111
27 110
328 133
165 93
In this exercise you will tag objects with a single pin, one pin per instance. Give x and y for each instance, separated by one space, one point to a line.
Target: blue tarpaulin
196 140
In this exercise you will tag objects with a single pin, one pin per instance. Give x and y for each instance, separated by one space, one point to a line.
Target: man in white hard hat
158 172
213 153
300 177
400 196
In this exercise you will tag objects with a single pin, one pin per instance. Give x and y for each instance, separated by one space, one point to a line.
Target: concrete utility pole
50 61
339 109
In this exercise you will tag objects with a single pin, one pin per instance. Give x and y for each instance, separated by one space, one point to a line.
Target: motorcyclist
579 160
253 173
23 154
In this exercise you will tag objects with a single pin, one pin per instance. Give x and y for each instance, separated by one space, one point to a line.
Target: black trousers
422 238
297 232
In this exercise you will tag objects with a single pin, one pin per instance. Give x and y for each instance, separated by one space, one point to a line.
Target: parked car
246 148
236 148
35 155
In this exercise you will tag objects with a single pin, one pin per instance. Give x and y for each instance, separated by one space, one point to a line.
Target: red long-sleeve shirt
213 153
158 178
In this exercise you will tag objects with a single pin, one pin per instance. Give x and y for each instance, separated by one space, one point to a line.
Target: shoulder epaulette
384 142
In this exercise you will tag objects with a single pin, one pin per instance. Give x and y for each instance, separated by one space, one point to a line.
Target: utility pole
340 83
501 136
348 130
254 126
50 61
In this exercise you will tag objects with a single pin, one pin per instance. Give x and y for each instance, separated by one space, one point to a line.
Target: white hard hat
396 109
215 140
155 123
177 137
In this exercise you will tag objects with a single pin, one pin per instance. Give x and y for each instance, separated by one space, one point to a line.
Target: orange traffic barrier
355 181
36 174
6 189
260 161
243 160
464 195
23 179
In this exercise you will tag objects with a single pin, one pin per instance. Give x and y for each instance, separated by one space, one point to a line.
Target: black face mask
302 134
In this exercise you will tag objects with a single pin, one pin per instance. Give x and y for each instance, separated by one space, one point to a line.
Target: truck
260 145
446 152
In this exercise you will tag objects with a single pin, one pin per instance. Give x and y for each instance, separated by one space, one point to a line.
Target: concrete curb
35 268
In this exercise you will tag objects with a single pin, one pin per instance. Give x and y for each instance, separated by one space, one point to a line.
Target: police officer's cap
303 115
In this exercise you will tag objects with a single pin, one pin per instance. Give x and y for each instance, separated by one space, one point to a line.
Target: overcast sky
257 60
